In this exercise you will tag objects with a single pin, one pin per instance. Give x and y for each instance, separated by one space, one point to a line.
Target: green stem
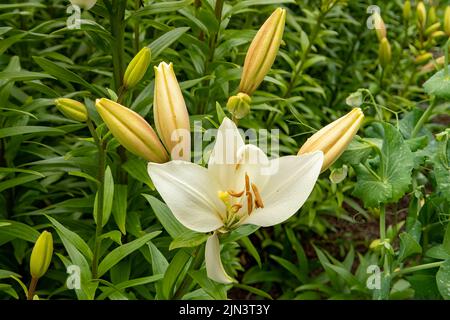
32 288
117 22
419 267
137 4
100 192
424 118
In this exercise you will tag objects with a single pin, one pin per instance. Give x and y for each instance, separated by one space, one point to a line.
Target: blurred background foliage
47 162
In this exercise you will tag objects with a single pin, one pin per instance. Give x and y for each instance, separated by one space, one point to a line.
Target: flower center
240 204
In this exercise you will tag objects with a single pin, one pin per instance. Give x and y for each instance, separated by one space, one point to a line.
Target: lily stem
117 15
101 186
424 118
32 288
419 267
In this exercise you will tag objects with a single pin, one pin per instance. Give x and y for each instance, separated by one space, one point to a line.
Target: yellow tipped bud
384 53
170 113
132 131
41 256
380 27
447 21
433 28
421 14
334 138
423 58
438 34
407 10
375 244
239 105
137 68
72 109
262 52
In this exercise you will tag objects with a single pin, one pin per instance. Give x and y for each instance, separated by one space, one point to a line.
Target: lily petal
253 162
288 189
223 158
214 266
189 193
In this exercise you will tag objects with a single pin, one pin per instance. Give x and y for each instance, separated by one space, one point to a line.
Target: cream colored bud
72 109
41 256
170 113
132 131
384 53
262 52
137 68
334 138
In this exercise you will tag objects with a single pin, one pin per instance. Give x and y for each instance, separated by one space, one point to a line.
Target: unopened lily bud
433 28
41 256
132 131
432 18
433 65
423 58
85 4
421 14
438 34
384 53
137 68
407 10
334 138
170 113
262 52
72 109
380 27
447 21
239 105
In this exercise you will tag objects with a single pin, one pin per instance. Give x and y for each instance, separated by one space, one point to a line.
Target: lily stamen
258 200
236 194
249 203
236 207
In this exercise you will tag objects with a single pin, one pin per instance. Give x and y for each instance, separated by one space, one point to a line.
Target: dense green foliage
385 202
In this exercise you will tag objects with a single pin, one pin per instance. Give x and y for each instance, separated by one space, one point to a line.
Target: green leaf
112 258
443 279
251 249
158 45
216 290
393 177
408 246
173 227
188 239
159 266
19 230
156 8
21 130
176 272
129 284
439 84
137 168
108 195
119 208
11 183
73 238
23 75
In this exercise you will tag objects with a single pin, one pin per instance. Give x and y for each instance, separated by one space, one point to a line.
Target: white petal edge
214 266
189 193
288 189
223 157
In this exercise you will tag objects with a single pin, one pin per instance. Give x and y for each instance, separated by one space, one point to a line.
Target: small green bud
407 10
41 256
239 105
355 99
72 109
384 54
137 68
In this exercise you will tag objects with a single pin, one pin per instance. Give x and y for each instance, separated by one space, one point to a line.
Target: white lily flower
240 186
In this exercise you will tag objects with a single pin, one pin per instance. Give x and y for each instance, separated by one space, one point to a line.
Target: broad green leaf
439 84
159 266
19 230
119 208
20 130
112 258
173 227
137 168
158 45
73 238
408 246
130 284
175 273
443 279
393 177
14 182
216 290
188 239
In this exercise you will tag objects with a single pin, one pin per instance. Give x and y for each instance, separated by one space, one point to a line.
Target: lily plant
239 186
